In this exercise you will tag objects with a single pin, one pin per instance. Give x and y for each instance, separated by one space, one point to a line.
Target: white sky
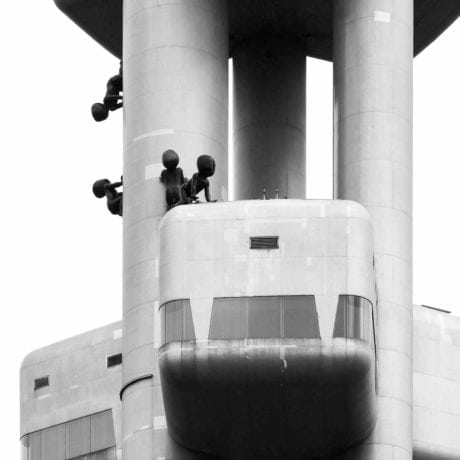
60 250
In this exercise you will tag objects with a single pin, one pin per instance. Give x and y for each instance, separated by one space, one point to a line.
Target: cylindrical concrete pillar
269 118
175 61
373 50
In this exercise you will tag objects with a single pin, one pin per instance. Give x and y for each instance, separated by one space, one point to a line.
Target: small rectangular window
41 382
114 360
264 242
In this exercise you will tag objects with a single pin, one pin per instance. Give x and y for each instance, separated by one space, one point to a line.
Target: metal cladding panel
325 249
269 398
436 410
80 383
238 379
310 21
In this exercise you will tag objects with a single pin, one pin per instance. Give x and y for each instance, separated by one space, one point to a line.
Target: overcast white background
60 249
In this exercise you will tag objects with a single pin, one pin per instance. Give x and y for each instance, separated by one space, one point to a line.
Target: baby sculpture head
206 165
170 159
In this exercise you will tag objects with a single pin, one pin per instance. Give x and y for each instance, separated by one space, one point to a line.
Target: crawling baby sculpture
199 181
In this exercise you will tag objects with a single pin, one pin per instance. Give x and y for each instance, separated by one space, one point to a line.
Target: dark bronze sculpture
199 181
113 100
172 177
104 188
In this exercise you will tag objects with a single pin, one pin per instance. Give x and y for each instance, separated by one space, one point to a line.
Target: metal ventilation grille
264 242
41 382
114 360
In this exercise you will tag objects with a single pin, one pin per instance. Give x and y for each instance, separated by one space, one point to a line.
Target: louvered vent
41 382
264 242
114 360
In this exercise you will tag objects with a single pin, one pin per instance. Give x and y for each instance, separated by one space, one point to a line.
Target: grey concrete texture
80 383
436 383
269 94
326 249
308 20
185 108
373 103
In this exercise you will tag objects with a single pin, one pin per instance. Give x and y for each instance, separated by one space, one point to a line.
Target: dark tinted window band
264 242
176 321
264 317
89 437
261 317
354 318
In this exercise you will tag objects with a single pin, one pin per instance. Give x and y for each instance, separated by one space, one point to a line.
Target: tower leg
269 118
373 165
175 60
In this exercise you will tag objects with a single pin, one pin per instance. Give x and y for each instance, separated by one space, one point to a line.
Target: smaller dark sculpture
104 188
112 100
172 177
199 181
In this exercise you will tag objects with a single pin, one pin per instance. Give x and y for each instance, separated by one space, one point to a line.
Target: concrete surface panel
436 385
313 237
80 383
379 81
175 97
269 118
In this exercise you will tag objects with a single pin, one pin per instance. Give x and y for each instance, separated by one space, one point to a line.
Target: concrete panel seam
271 123
154 133
143 11
201 50
438 410
355 114
179 131
376 159
371 17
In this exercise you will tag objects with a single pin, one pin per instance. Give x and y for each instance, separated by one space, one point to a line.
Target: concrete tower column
373 50
269 117
175 61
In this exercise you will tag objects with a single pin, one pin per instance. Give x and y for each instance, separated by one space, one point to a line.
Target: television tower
175 96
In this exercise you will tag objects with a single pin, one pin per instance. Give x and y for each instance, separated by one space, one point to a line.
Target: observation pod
268 347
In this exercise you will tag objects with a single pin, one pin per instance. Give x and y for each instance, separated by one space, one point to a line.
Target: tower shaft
175 97
269 117
373 50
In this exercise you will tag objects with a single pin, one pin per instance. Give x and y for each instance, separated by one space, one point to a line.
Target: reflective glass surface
102 431
264 317
176 321
106 454
78 437
353 318
53 443
300 317
86 438
229 319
